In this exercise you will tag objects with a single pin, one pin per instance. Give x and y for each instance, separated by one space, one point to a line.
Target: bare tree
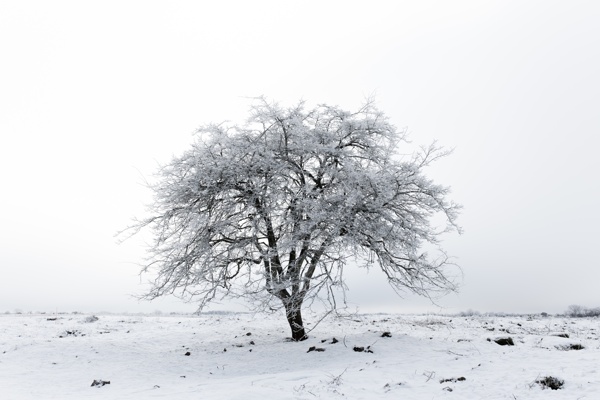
275 208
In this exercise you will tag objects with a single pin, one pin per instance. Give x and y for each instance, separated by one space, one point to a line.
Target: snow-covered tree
274 209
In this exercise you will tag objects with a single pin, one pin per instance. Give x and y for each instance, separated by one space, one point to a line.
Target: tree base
294 317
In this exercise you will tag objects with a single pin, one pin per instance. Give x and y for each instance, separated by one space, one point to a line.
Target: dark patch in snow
187 353
550 382
461 379
74 332
99 383
360 349
572 346
313 348
387 387
506 341
386 334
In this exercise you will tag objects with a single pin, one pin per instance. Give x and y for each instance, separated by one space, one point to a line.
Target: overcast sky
95 95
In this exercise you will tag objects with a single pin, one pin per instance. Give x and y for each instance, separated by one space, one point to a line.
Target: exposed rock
571 346
461 379
504 341
99 383
90 319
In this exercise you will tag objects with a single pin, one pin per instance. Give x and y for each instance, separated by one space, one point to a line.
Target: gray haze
94 96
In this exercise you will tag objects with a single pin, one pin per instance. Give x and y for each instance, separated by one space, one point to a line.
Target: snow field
247 356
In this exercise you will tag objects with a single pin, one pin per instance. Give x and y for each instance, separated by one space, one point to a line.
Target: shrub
550 382
577 311
469 313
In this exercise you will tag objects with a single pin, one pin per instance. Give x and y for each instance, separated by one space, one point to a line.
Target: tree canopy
275 208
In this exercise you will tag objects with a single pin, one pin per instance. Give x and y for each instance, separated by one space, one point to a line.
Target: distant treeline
574 311
582 312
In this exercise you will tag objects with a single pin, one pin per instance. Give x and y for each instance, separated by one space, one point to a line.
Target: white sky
94 95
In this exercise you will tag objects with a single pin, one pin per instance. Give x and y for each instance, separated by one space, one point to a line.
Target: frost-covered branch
272 208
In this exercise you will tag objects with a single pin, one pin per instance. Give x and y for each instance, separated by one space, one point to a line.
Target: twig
429 375
319 321
337 380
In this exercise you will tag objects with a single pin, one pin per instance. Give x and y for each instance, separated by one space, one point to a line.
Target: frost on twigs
275 209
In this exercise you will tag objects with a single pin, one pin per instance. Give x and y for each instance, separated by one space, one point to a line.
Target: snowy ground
245 356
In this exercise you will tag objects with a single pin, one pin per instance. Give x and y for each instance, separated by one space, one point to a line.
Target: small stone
99 383
507 341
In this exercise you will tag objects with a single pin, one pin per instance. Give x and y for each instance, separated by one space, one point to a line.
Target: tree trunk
293 314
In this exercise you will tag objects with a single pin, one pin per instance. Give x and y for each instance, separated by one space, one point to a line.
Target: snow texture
247 356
